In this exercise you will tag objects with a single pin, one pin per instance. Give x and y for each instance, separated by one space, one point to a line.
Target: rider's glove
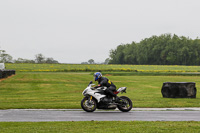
97 86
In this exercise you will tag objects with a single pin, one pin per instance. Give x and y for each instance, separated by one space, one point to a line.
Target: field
105 68
60 86
63 90
99 127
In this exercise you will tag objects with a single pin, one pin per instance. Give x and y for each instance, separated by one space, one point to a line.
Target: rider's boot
116 98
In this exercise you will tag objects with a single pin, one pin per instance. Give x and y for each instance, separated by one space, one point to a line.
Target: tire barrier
6 73
179 90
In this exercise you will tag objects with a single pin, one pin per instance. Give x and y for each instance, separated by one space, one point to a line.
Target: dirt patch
6 78
108 75
45 85
69 85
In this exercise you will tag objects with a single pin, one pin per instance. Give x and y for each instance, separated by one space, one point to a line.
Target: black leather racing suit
103 81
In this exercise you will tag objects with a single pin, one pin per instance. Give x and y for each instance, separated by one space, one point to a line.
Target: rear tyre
88 105
125 104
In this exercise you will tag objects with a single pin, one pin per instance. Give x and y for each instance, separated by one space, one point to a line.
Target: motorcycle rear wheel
126 104
88 105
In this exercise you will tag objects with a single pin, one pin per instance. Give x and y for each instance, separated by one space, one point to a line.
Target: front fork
90 98
90 101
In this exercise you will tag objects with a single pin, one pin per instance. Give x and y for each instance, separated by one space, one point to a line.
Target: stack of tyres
179 90
6 73
1 74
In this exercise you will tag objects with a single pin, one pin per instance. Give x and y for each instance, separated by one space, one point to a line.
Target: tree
84 62
51 61
21 60
117 56
4 57
113 59
39 58
106 61
91 61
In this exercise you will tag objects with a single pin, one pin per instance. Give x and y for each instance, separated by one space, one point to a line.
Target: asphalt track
26 115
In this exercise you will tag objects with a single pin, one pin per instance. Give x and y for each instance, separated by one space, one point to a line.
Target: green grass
98 67
100 127
152 73
64 90
59 90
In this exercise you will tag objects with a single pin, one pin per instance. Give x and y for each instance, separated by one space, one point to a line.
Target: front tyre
88 105
125 104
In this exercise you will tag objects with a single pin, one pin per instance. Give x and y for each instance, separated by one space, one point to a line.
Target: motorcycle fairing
97 94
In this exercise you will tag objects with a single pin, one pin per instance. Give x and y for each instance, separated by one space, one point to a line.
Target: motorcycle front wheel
89 105
125 104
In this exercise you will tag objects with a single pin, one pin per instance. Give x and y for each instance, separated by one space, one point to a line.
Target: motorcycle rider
103 81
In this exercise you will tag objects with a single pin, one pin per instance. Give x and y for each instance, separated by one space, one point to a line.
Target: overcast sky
74 31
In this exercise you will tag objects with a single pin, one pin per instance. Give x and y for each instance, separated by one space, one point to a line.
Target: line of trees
39 58
165 49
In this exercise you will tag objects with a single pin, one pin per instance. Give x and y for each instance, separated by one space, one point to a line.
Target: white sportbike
96 98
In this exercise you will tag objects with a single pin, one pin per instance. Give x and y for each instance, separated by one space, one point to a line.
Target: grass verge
100 127
60 90
27 67
151 74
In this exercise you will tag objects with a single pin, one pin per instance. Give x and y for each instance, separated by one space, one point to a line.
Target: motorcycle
96 98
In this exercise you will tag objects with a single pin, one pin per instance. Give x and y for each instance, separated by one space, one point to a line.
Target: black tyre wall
6 73
178 90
